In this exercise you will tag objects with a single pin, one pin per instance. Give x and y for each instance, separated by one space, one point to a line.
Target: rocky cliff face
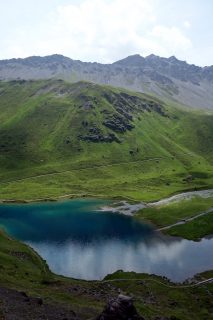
168 78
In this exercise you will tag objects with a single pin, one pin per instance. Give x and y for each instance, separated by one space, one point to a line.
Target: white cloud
187 24
103 29
100 30
169 40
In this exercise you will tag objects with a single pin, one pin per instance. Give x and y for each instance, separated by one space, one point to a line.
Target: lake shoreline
130 207
72 196
189 281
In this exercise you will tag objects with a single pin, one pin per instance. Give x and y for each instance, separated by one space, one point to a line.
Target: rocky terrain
120 308
17 305
168 78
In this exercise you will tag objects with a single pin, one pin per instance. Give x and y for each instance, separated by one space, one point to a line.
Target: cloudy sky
107 30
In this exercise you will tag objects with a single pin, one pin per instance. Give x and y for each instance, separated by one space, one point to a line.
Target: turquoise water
78 240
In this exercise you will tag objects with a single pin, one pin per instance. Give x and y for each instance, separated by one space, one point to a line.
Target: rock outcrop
120 308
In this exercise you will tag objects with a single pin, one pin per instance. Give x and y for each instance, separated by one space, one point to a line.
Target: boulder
120 308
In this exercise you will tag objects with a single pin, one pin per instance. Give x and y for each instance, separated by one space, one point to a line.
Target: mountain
59 138
165 78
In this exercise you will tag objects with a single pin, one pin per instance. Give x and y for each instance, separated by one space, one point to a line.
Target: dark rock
109 97
95 130
85 123
114 125
189 178
120 308
118 123
24 294
37 300
88 105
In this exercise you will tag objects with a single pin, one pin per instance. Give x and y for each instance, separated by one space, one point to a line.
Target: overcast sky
107 30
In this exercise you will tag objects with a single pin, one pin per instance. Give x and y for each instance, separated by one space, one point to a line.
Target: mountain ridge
167 78
148 57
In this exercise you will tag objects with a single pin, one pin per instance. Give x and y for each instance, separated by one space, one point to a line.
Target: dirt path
162 283
184 221
81 169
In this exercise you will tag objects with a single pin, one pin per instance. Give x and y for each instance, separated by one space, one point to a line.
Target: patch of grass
155 296
20 265
171 213
195 229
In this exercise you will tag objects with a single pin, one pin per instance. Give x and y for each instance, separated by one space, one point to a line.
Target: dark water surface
79 241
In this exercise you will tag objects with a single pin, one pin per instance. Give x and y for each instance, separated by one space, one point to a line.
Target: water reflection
80 242
176 260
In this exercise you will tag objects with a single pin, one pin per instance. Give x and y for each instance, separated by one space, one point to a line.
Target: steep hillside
166 78
58 138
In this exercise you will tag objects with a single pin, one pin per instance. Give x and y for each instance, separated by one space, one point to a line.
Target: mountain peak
173 59
132 60
152 57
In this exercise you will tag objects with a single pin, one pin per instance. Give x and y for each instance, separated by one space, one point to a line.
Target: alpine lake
79 240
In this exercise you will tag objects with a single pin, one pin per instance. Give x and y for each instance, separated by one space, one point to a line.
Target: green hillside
29 290
59 139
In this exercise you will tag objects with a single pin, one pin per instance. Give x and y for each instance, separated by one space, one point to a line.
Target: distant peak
131 60
53 57
173 59
152 57
137 55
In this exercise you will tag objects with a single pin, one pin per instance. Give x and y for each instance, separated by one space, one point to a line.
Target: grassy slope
23 270
172 213
37 118
194 230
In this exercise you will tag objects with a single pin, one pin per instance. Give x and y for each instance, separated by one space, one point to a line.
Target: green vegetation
19 264
54 141
195 229
169 214
174 302
173 212
22 269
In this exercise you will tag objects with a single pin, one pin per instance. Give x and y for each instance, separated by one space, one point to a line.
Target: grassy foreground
23 270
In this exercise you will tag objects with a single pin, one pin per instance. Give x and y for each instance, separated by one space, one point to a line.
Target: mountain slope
59 138
166 78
